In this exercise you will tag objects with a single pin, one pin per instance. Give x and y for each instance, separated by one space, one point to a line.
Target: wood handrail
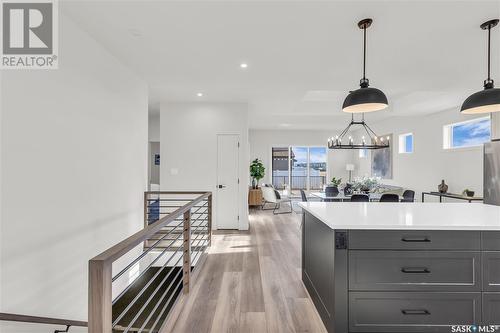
126 245
41 320
176 192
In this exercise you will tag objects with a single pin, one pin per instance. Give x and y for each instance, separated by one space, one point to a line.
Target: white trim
402 143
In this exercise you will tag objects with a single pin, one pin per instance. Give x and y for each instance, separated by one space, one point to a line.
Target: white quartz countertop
406 216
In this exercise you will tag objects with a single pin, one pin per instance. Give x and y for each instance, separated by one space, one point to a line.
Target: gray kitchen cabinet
401 280
411 312
415 270
491 308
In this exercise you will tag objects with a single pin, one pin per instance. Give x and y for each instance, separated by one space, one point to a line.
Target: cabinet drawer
415 270
491 240
491 271
491 308
414 240
412 312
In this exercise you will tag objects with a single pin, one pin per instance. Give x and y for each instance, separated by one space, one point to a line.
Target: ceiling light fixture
487 100
244 65
364 99
199 94
370 141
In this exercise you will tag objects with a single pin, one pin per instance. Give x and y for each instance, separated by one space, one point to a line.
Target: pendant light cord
489 52
364 53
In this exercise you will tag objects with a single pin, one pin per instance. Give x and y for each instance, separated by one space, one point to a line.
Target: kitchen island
402 267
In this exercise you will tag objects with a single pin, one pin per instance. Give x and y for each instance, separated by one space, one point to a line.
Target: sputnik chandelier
346 141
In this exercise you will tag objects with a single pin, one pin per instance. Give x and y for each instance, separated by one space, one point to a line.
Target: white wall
188 143
495 125
261 142
74 168
154 127
429 163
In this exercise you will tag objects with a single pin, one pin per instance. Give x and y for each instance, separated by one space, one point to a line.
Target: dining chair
389 197
303 195
270 195
360 198
408 196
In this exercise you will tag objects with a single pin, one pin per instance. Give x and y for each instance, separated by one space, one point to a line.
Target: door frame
238 135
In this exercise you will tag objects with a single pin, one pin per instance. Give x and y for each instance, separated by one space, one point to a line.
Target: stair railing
173 245
12 317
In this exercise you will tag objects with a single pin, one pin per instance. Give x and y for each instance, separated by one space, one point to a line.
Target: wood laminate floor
251 282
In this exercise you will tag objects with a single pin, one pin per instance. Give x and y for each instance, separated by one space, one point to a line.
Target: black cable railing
153 266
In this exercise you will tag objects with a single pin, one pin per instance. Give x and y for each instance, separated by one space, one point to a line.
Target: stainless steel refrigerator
491 180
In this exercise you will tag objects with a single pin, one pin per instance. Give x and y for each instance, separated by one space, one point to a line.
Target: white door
227 181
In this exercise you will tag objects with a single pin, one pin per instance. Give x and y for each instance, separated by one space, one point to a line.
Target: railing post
146 219
100 302
186 267
209 220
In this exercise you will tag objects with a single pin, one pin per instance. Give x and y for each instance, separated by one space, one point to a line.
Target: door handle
221 186
415 270
415 312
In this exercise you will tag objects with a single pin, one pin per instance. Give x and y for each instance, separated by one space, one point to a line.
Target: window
317 167
280 166
299 164
299 167
363 153
406 143
469 133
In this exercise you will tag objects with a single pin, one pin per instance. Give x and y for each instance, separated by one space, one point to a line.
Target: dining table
343 197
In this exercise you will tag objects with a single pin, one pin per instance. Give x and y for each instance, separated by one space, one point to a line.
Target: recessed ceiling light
199 94
243 65
285 125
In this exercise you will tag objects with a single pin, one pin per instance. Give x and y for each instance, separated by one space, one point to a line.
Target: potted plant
333 188
257 171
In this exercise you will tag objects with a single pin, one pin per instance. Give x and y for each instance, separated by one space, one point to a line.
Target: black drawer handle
415 312
416 240
416 270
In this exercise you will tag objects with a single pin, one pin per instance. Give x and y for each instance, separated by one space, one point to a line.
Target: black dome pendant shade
487 100
364 99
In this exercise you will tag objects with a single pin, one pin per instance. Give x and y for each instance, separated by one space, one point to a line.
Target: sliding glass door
299 167
317 167
280 166
299 179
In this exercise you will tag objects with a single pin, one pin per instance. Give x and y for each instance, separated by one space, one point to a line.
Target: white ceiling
303 56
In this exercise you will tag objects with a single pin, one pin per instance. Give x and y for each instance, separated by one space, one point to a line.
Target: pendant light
364 99
487 100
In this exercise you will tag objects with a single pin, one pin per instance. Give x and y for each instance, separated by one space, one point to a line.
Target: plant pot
254 184
469 193
331 191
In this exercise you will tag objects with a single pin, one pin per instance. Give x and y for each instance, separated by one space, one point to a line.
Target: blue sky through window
300 155
409 143
317 154
471 133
